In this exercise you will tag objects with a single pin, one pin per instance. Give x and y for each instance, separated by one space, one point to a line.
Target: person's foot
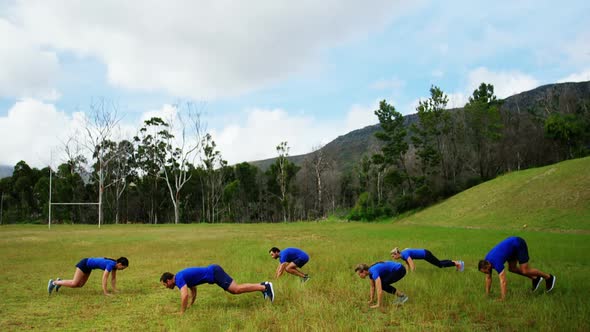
401 299
305 278
269 291
461 266
50 286
57 286
550 283
536 283
264 291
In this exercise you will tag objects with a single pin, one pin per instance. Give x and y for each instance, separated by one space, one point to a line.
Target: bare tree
320 163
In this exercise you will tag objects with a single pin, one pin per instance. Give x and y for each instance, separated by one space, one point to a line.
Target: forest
173 172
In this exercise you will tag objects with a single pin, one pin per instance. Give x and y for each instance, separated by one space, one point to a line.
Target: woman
85 267
408 255
381 276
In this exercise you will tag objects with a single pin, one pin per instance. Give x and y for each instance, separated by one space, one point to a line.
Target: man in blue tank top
190 278
381 277
513 250
289 260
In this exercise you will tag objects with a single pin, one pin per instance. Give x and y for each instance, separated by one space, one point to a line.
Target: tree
484 126
319 163
393 135
214 178
281 173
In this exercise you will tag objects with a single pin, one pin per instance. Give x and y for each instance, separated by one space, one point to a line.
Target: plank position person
381 277
85 267
189 278
513 250
290 259
408 255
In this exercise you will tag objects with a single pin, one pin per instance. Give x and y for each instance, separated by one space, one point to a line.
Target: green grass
555 197
334 299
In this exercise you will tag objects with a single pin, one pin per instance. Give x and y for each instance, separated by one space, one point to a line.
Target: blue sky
263 72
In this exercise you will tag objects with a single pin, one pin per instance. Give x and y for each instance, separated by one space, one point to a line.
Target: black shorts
82 266
521 253
221 278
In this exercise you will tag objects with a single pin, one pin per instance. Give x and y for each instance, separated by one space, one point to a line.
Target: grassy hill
555 197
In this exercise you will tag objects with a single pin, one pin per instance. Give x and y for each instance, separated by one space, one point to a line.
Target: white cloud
27 70
31 130
577 77
388 84
506 83
202 49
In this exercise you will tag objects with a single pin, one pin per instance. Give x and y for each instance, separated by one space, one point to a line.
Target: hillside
555 197
5 171
347 149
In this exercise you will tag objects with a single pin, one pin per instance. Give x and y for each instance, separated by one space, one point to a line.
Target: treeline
158 177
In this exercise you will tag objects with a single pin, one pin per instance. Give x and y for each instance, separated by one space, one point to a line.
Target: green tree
483 125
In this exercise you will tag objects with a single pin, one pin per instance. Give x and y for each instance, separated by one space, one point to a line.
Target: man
513 250
289 260
382 275
190 278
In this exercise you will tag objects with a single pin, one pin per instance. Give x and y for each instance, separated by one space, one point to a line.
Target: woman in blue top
85 267
408 255
381 276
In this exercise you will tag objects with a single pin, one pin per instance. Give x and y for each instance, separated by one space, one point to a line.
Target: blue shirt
384 269
502 252
194 276
291 254
413 253
101 263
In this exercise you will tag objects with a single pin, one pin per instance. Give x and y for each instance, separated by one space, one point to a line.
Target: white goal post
51 203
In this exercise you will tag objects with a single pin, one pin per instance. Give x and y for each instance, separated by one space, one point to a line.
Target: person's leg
79 280
532 273
430 258
292 269
235 288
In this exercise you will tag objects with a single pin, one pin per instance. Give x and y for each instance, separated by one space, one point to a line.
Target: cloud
506 83
257 136
202 49
388 84
31 130
577 77
27 70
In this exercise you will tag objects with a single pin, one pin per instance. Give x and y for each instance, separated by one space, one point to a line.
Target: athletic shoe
461 266
536 283
270 293
50 286
264 291
57 286
550 283
305 278
401 299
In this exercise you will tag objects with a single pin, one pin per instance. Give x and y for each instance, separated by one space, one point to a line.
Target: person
85 267
381 277
513 250
408 255
290 259
189 278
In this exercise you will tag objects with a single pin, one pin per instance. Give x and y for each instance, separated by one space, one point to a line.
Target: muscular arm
193 294
114 280
281 269
183 299
371 290
488 283
503 283
410 263
377 284
105 278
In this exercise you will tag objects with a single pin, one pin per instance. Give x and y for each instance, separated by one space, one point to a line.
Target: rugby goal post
66 203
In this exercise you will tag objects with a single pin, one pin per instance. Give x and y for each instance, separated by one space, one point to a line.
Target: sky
263 72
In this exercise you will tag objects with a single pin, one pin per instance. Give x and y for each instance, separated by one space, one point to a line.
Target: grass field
335 299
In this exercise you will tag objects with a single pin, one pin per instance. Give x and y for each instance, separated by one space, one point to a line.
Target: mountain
347 149
549 198
5 171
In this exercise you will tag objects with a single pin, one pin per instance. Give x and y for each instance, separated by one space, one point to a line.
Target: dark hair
123 260
166 276
483 264
361 267
274 249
